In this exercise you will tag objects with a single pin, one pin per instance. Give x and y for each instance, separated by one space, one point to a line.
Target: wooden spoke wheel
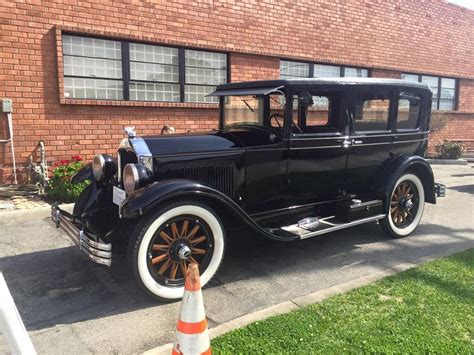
405 207
177 243
404 204
164 243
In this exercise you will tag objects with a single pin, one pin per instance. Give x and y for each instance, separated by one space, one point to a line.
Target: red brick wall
466 94
244 67
426 36
454 127
381 73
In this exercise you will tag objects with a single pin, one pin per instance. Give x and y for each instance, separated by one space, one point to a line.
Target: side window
371 112
319 112
408 111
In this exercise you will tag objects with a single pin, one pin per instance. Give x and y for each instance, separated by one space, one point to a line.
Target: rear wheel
165 242
405 208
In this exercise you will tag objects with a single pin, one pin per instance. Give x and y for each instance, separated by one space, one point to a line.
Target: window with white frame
444 90
104 69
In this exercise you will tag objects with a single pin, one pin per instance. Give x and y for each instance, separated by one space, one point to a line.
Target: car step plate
327 225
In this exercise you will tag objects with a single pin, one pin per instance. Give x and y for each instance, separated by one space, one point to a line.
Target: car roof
322 81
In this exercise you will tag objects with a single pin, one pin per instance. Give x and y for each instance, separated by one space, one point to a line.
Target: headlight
103 166
135 176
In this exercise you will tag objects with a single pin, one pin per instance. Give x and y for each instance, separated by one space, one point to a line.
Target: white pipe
10 127
11 324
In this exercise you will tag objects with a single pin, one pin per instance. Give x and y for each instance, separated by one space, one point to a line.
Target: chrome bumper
100 253
440 190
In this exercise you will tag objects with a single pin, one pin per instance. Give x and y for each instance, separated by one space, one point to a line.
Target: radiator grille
216 175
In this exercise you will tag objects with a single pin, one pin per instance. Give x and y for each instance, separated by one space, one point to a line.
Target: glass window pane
204 59
448 83
446 104
371 114
356 72
326 71
410 77
80 88
96 68
91 47
88 63
154 92
154 72
197 93
408 111
432 81
205 76
206 69
290 70
153 54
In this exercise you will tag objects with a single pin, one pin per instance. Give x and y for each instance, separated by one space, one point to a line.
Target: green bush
60 188
450 150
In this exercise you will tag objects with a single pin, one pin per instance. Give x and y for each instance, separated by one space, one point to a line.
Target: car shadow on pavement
61 286
463 188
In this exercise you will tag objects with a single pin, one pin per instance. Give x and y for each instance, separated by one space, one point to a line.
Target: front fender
400 164
157 194
84 174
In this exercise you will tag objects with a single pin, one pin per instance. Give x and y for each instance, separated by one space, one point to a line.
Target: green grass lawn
428 309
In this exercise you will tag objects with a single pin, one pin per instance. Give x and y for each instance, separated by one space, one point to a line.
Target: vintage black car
292 159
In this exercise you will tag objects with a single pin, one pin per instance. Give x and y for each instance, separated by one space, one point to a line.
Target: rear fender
156 195
401 164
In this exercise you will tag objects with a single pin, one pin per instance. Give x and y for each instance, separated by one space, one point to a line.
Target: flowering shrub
450 150
60 188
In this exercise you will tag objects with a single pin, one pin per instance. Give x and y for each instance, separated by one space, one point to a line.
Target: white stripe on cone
192 343
192 308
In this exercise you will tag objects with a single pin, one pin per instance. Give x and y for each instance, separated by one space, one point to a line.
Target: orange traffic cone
192 336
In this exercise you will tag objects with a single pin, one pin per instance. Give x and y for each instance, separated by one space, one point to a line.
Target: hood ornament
130 131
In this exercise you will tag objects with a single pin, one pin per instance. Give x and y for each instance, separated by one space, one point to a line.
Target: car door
318 154
370 137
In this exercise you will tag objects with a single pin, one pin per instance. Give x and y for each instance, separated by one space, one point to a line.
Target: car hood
191 143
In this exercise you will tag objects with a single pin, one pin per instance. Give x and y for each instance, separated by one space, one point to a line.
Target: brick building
79 71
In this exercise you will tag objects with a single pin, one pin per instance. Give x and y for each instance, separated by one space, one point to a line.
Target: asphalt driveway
70 305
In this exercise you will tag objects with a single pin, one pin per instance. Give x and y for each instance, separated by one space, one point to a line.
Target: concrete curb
17 216
318 296
447 161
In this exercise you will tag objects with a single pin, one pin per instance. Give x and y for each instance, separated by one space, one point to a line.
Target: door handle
357 141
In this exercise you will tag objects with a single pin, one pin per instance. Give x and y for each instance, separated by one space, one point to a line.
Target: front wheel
405 207
164 243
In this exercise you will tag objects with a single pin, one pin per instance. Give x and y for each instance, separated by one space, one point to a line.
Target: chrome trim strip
100 253
342 226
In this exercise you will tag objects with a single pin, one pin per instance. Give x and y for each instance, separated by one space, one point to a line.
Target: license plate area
118 196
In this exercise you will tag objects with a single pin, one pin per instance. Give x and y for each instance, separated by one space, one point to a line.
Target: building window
289 70
92 68
204 71
121 70
444 90
294 70
154 73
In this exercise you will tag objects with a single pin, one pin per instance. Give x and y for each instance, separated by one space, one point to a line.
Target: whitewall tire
165 242
405 206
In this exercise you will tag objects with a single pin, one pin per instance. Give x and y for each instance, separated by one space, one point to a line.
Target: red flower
64 162
77 158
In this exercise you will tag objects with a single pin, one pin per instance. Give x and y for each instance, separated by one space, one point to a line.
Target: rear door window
372 112
408 112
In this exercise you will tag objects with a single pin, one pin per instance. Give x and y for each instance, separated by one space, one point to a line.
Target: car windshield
254 110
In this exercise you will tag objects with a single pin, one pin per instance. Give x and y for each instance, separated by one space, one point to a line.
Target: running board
329 226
